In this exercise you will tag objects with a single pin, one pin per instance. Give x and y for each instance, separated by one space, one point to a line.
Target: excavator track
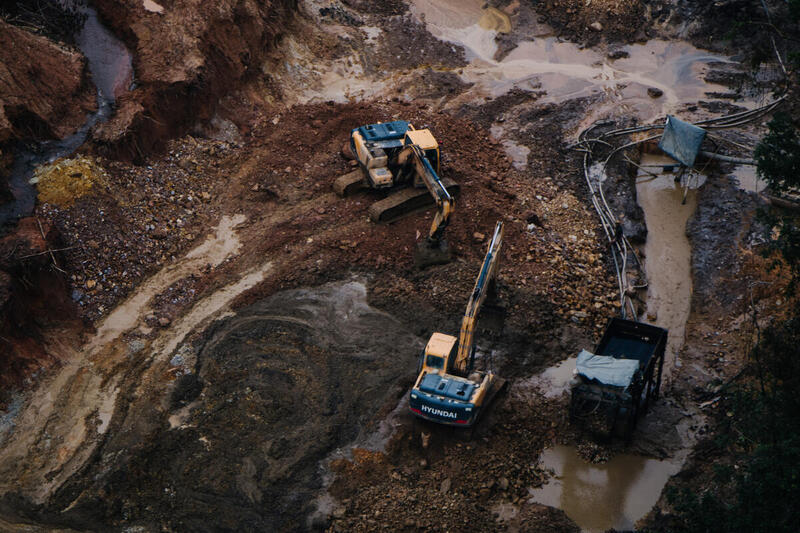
405 201
349 183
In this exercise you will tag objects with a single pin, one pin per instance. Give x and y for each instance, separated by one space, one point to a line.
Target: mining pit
205 337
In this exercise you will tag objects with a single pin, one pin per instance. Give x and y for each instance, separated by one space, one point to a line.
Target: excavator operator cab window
432 155
427 142
434 361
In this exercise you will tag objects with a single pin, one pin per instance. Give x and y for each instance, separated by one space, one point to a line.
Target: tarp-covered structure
681 140
606 369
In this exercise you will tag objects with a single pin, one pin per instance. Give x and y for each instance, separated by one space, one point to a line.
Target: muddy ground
249 337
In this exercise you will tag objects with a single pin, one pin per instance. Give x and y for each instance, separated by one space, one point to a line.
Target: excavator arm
414 157
466 339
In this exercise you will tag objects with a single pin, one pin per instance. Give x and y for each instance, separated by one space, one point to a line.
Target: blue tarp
606 369
681 140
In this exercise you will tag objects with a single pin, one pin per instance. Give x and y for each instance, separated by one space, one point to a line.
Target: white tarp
606 369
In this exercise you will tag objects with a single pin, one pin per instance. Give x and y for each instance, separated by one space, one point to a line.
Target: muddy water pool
667 208
747 179
563 69
598 497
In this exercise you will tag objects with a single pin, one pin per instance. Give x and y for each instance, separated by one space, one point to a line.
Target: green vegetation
778 163
755 489
794 9
778 154
756 447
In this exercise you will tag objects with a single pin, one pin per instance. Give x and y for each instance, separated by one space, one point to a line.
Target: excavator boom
466 339
414 156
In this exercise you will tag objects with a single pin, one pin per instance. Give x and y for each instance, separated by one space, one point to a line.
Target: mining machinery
448 389
404 162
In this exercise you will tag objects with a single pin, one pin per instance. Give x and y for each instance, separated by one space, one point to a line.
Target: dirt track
255 333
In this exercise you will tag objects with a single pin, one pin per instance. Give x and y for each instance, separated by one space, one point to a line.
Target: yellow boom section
423 170
466 338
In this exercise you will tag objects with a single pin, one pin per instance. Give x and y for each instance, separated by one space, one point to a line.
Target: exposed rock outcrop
44 88
187 55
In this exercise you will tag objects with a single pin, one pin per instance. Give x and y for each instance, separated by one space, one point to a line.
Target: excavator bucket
426 255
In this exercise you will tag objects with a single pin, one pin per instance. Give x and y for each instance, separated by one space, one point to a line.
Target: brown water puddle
747 179
564 70
667 250
554 381
598 497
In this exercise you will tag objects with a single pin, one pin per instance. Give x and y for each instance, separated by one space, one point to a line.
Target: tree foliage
794 9
778 154
757 490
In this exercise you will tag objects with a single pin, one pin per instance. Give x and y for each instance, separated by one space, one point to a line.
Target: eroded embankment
213 49
67 416
33 295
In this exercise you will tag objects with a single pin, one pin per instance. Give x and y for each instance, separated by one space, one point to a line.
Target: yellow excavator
448 389
395 157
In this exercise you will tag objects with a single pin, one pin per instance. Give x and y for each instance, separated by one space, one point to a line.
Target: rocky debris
593 453
585 22
617 53
654 92
406 44
535 518
713 25
176 298
466 479
383 8
45 91
131 220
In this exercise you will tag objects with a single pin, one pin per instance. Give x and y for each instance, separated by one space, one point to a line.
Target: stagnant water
598 497
111 67
623 490
566 71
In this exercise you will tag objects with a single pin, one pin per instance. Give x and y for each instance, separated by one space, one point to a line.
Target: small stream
111 67
667 250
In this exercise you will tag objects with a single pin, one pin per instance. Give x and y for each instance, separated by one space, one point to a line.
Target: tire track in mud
53 437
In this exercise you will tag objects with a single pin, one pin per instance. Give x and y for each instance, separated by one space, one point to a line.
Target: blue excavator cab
385 131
